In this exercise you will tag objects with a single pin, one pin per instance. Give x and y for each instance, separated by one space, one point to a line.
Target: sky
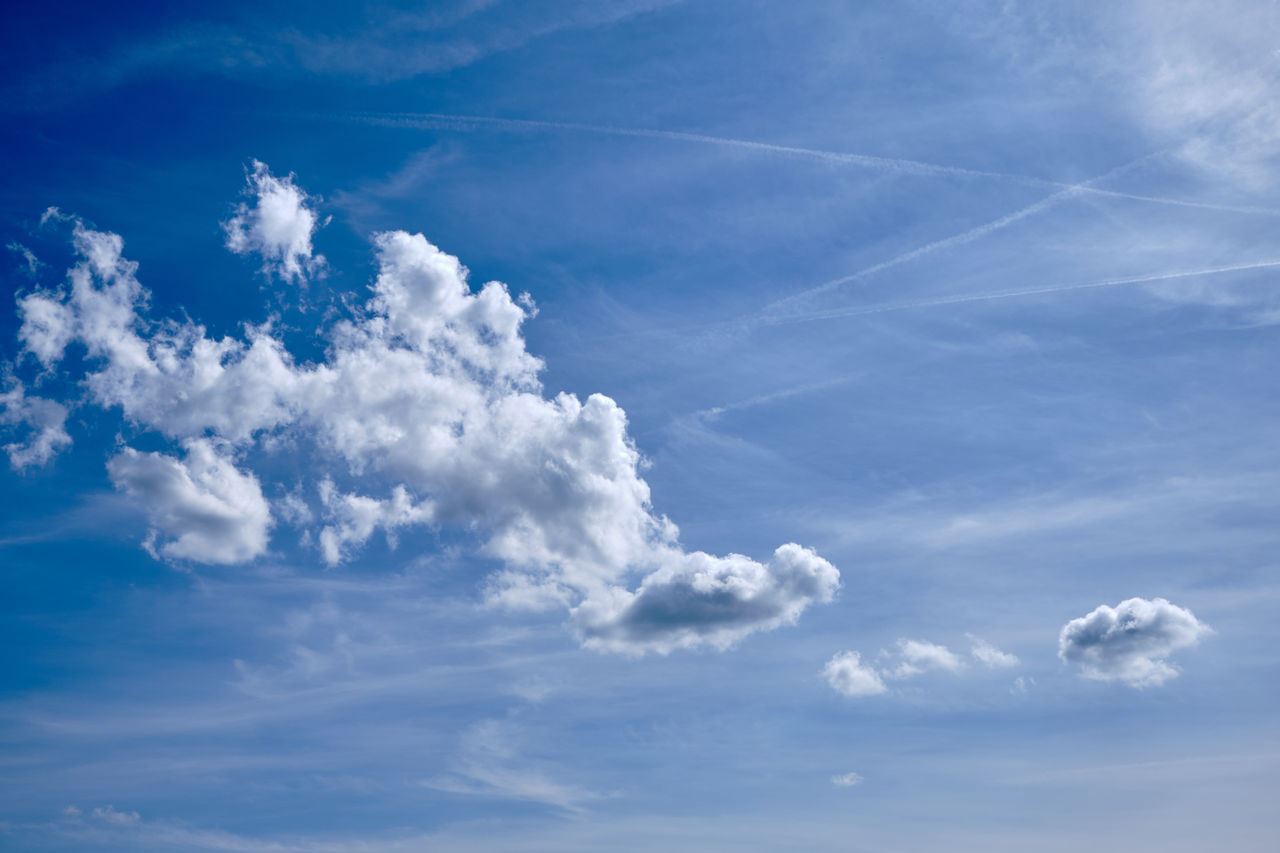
704 425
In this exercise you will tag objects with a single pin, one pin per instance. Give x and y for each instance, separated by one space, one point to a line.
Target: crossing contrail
960 239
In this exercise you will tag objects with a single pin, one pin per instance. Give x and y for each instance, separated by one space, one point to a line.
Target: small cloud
846 674
989 655
1022 685
71 812
110 815
278 226
207 509
1129 643
702 599
917 656
848 780
32 263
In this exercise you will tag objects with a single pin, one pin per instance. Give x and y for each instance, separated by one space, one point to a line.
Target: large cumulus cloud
1129 643
428 408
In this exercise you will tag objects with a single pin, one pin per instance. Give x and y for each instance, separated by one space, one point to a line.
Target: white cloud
1129 642
278 226
846 674
917 656
989 655
697 598
846 780
45 423
354 518
205 508
110 815
428 392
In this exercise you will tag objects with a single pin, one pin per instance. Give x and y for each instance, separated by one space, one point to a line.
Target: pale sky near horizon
705 425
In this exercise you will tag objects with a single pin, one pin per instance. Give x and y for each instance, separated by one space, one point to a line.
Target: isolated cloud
278 226
1129 642
917 656
848 675
426 394
846 780
109 814
989 655
699 598
43 423
202 507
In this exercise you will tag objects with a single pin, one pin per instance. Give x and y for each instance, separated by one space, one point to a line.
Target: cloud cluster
847 674
426 395
1129 643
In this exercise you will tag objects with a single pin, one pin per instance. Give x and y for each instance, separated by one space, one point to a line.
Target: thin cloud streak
1011 294
890 164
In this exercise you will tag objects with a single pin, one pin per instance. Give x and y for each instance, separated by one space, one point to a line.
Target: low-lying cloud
1129 643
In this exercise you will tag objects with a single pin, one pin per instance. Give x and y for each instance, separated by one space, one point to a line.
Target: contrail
960 239
1010 294
887 164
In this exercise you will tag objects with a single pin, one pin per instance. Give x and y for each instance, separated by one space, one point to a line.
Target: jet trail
960 239
887 164
1008 294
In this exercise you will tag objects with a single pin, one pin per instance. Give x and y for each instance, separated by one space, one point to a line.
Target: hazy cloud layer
427 396
1129 642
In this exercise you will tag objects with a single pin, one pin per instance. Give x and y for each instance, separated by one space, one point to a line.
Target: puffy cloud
45 422
846 780
426 392
699 599
207 510
278 226
989 655
916 657
847 674
1129 642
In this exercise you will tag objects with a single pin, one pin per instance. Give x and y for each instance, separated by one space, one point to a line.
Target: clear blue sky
871 445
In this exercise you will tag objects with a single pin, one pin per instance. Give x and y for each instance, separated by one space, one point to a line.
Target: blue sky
870 445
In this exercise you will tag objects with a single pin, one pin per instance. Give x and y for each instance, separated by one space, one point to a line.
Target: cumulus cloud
847 674
43 422
203 508
846 780
278 226
428 407
699 598
989 655
1129 643
917 656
